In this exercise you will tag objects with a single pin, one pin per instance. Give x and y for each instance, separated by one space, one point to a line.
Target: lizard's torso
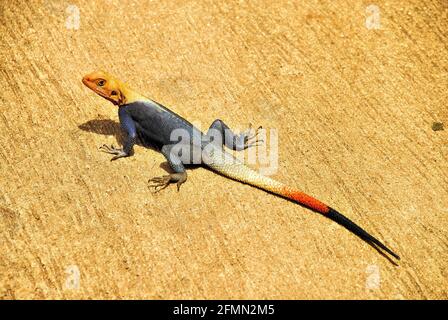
158 125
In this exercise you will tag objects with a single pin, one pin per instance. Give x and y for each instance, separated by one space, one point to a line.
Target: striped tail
236 170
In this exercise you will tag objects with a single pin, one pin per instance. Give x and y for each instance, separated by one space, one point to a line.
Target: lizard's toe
110 149
106 148
159 183
117 152
250 135
120 154
181 178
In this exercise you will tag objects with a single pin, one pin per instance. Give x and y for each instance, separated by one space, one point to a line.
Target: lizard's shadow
109 127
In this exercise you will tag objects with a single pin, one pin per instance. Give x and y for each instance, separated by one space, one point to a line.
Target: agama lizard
153 123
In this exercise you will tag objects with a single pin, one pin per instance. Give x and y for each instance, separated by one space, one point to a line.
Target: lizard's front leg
128 125
231 140
179 176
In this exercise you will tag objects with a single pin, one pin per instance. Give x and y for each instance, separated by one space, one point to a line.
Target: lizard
152 123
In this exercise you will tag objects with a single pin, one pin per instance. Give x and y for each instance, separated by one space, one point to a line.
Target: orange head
106 86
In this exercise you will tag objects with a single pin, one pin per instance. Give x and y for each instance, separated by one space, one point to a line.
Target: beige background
353 107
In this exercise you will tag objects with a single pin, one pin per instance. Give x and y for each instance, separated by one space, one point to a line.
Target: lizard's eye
101 82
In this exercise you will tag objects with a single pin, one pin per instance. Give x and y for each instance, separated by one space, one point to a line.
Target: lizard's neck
128 96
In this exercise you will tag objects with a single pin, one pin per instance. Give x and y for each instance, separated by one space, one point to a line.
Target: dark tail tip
353 227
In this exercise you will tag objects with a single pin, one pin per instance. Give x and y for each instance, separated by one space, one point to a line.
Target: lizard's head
106 86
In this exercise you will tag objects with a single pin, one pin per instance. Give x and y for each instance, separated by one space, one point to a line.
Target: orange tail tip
306 200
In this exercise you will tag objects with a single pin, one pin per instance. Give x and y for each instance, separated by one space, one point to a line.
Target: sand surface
353 107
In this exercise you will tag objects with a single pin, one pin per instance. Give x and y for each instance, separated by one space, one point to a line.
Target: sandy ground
353 107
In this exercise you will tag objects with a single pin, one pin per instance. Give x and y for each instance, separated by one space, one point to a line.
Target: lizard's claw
118 152
160 183
110 149
249 134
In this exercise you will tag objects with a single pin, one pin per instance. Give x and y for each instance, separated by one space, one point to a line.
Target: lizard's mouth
113 95
92 86
86 82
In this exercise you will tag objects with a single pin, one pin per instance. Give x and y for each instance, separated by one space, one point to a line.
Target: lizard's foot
160 183
118 152
249 135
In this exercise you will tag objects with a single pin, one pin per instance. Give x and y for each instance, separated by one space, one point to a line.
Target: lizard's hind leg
179 176
233 141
